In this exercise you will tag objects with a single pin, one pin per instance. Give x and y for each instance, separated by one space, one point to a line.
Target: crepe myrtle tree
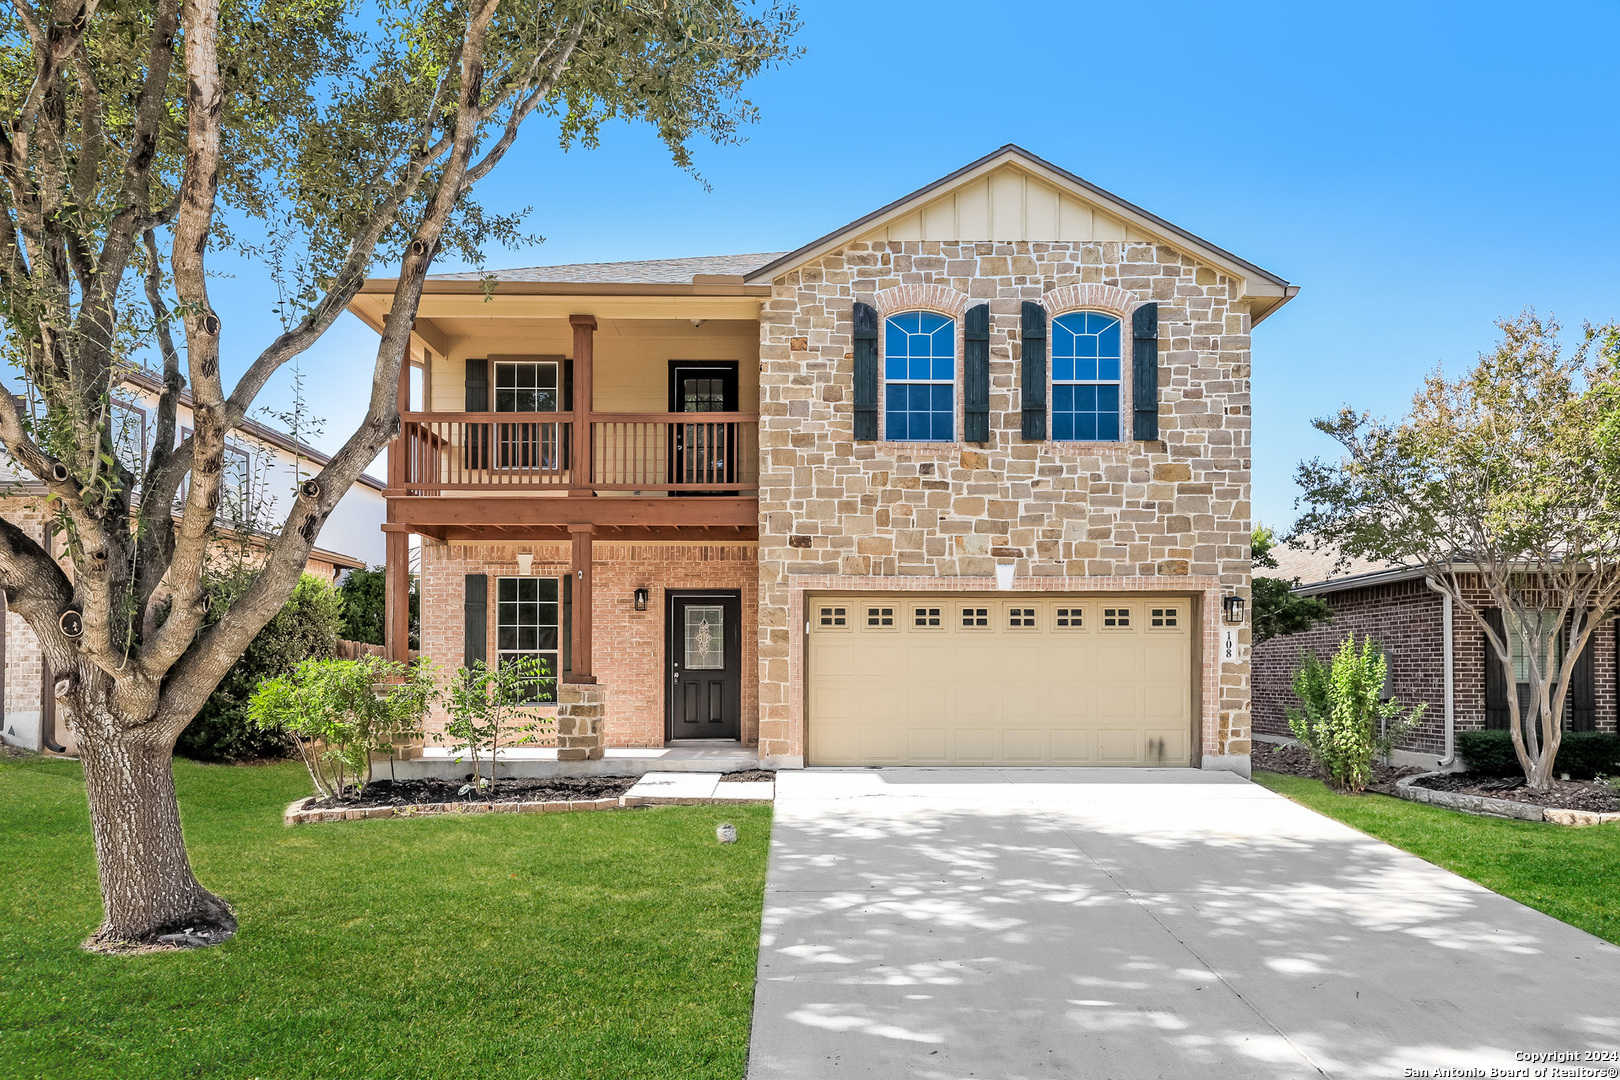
1505 481
318 138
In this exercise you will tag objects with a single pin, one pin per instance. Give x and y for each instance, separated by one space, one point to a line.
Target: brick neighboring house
965 481
263 467
1398 609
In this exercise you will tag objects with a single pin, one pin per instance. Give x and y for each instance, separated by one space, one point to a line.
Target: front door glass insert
705 638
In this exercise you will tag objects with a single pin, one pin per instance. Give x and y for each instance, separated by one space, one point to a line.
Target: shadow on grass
606 944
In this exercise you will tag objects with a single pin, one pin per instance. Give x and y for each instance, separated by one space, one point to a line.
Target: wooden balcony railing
675 452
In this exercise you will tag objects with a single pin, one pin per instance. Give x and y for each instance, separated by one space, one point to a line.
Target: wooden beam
584 358
621 534
581 645
397 595
424 510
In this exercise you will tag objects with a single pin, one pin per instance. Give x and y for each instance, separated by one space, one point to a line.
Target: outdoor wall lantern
525 563
1232 607
641 599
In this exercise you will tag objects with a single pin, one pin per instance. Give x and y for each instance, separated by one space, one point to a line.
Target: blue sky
1419 170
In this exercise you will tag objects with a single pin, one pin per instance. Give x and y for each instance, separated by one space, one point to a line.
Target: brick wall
1179 506
1406 618
627 646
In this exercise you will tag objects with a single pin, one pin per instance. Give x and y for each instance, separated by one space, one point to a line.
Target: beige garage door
988 680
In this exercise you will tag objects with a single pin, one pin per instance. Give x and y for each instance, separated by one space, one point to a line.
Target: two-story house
965 481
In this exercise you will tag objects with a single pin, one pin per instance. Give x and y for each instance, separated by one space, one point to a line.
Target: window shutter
1034 373
567 644
568 384
1145 372
475 443
976 374
1496 703
475 628
477 385
866 371
1583 689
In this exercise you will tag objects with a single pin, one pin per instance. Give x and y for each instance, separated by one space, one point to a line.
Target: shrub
489 709
1582 754
1342 722
306 626
341 712
365 606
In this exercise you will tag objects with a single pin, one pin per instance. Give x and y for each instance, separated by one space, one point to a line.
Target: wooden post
584 346
581 645
397 592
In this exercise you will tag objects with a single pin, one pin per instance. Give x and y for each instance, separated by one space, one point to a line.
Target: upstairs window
527 386
919 375
1085 377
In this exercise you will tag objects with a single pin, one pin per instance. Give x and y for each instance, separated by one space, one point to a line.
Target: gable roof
1257 284
643 272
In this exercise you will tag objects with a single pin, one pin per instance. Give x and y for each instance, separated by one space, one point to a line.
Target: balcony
653 454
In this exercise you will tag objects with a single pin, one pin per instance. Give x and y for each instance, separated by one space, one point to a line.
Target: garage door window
1116 618
1070 618
1022 618
928 618
880 618
1163 618
832 618
975 618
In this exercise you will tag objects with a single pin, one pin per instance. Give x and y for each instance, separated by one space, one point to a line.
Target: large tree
1504 486
320 138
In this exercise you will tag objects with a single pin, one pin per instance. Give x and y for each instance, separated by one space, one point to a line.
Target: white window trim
555 654
1123 382
957 403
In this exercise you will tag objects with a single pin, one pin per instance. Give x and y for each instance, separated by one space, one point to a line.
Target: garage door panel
997 680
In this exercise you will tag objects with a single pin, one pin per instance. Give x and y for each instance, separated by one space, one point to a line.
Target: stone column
579 721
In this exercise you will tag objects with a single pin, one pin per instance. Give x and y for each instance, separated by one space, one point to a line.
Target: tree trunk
147 887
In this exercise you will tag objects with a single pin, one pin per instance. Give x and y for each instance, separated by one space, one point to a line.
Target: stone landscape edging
1407 788
302 812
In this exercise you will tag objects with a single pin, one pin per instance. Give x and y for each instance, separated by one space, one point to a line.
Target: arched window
1085 377
919 375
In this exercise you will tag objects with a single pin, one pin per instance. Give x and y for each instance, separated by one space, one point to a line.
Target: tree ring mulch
747 776
1584 795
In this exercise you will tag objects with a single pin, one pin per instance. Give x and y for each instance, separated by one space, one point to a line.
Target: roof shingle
644 272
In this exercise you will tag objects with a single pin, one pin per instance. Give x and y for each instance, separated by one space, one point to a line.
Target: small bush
1582 754
307 626
365 604
1342 721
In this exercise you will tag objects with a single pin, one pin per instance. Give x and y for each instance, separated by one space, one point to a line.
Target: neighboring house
965 481
263 467
1396 607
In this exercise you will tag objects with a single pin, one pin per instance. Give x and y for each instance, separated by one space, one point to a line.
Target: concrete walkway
1145 923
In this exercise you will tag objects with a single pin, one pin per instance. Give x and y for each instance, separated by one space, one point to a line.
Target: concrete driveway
945 923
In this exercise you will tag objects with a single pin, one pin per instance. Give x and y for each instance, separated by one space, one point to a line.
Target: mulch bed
1296 761
747 775
1563 795
521 789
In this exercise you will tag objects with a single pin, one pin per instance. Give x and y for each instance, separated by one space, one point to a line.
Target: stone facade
871 514
1407 619
628 645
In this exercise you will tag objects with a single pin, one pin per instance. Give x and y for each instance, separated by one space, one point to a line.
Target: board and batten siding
1008 204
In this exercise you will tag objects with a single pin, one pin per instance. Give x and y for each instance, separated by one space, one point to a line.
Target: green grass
1569 873
617 944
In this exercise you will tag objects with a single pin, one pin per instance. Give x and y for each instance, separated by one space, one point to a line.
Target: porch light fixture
525 563
641 599
1232 609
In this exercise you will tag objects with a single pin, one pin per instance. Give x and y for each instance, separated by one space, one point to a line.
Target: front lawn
1569 873
605 944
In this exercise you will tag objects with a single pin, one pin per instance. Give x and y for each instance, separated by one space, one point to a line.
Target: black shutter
1145 372
1034 374
976 374
1496 702
475 444
475 628
567 644
1583 689
568 384
866 371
